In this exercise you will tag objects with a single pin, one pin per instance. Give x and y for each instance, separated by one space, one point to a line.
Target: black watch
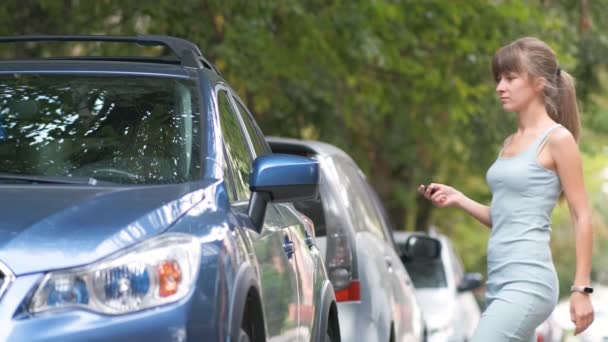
581 289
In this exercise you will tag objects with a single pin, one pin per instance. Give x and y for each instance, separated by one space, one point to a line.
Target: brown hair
534 57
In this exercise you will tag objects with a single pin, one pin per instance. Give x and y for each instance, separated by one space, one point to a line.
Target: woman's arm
442 196
568 165
477 210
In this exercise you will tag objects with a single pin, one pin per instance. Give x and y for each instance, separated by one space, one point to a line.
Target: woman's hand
581 311
441 195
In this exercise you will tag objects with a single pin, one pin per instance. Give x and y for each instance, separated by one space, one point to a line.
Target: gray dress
522 286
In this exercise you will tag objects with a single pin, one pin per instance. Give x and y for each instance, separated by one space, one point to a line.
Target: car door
404 312
468 313
278 279
374 269
307 258
409 323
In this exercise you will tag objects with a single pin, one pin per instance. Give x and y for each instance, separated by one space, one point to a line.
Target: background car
376 300
140 201
444 291
545 331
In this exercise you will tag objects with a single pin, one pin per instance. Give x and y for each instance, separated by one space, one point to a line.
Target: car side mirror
421 247
470 282
280 178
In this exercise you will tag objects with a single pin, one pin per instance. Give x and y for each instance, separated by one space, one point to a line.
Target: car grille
6 278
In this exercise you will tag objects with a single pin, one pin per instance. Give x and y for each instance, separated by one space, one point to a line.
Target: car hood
437 306
50 227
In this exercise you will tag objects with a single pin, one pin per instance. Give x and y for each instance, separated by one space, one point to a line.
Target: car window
122 129
380 211
363 214
257 139
237 148
426 273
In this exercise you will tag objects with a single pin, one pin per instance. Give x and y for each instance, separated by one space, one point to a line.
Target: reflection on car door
275 252
279 284
308 260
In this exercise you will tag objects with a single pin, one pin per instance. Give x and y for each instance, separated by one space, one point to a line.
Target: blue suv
140 201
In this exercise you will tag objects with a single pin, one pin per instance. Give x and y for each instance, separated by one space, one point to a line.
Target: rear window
123 129
426 273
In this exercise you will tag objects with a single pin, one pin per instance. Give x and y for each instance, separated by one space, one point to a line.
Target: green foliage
402 86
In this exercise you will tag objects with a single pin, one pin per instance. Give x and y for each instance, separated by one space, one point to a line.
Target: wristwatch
581 289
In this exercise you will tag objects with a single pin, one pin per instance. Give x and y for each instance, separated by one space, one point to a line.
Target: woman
536 164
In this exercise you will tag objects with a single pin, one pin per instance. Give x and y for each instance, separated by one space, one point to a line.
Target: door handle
389 263
309 241
288 247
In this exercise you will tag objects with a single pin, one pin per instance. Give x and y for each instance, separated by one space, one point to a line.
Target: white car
376 298
444 291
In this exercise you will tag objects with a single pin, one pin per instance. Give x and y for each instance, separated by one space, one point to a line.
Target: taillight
339 261
540 337
350 293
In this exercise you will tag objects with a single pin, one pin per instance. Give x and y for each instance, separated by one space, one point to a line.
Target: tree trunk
584 23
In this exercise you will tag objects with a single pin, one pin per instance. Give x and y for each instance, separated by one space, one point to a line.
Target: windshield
426 273
123 129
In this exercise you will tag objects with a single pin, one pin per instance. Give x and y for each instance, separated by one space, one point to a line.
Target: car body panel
69 225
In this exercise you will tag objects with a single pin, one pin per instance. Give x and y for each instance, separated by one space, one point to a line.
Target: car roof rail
188 54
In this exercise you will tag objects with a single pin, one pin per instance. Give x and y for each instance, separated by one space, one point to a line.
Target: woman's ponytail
565 109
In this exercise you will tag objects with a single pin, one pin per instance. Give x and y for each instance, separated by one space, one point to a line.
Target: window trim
219 87
223 87
256 127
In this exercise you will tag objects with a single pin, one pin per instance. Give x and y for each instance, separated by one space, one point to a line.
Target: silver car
445 292
376 298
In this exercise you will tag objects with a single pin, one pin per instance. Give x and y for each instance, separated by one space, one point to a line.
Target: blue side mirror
280 178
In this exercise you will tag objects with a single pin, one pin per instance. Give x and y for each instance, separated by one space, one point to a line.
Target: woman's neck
533 118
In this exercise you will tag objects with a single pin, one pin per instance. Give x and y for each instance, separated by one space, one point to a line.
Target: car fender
326 298
244 280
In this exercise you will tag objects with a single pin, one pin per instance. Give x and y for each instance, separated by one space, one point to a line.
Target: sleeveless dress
522 285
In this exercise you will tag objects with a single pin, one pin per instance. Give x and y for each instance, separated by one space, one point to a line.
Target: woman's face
516 91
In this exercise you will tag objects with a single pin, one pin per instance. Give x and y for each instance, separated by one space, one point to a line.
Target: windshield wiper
23 178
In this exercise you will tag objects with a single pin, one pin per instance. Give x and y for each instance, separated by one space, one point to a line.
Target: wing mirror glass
421 247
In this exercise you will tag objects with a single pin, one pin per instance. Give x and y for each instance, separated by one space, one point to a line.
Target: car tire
327 337
244 337
329 334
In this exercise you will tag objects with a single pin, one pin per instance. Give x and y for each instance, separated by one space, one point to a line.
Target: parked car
544 332
140 201
376 299
445 291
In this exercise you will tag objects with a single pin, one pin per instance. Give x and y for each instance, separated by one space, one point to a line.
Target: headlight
156 272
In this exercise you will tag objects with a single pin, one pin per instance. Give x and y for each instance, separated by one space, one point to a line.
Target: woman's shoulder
507 140
560 139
